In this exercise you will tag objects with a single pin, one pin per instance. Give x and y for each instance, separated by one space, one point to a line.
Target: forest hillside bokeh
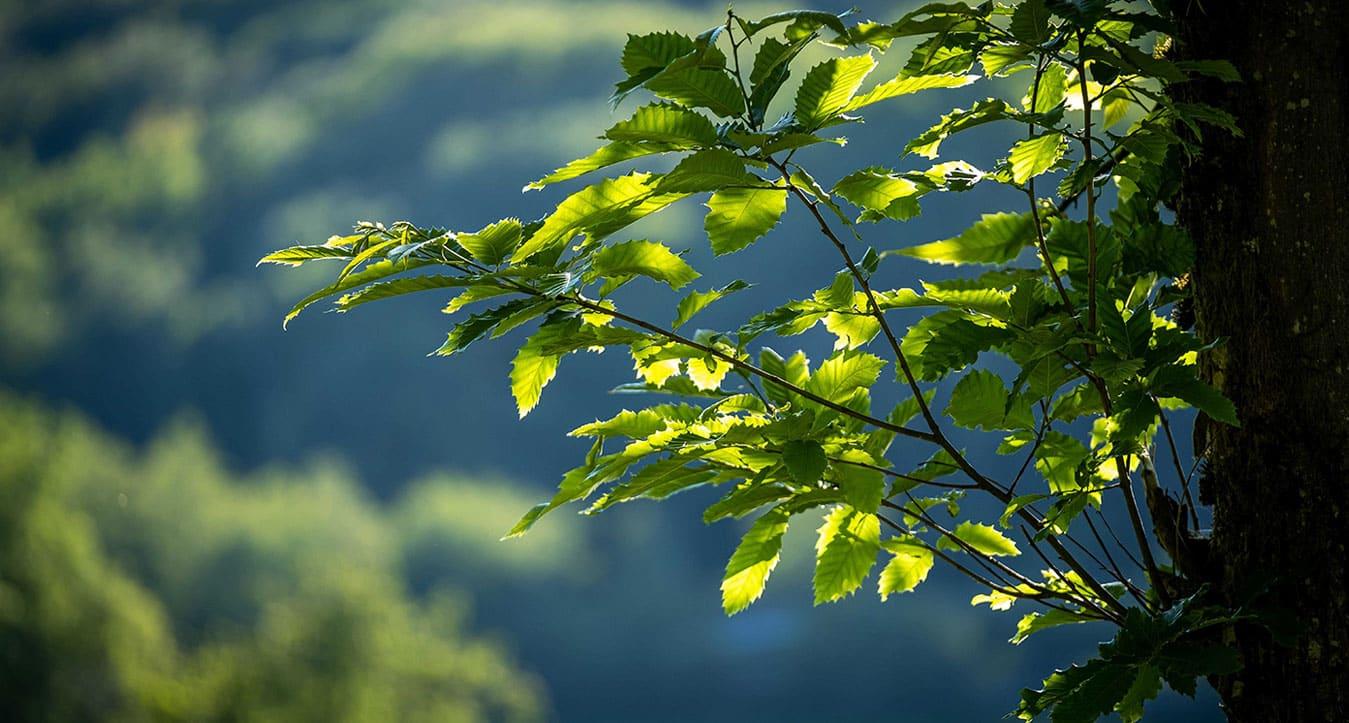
207 518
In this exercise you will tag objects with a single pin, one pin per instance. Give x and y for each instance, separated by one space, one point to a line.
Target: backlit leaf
1034 156
700 88
753 561
996 239
907 568
665 124
828 88
645 258
737 217
846 551
494 243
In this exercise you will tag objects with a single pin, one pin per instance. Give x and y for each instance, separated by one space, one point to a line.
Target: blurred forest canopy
156 585
197 132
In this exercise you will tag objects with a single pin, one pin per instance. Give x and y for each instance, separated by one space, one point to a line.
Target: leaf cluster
1075 302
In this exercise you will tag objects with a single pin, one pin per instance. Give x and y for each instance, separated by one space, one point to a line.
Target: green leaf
665 124
639 424
844 373
753 561
1057 458
654 50
1050 92
398 287
1180 382
795 369
372 272
946 341
942 53
1035 622
478 325
1146 686
862 487
1030 22
996 239
593 207
771 66
771 56
707 170
707 373
737 217
985 539
696 301
803 22
494 243
928 143
904 85
606 156
845 552
296 255
853 330
1220 69
535 364
1080 694
884 194
1034 156
828 87
646 258
907 568
805 461
1002 60
656 481
979 400
576 485
744 499
700 88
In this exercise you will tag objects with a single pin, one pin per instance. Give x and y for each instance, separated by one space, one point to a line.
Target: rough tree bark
1269 213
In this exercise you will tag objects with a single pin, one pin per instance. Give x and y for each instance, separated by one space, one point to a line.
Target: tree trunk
1269 213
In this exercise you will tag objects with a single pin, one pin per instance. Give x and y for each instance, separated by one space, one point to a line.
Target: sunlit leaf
645 258
494 243
908 567
1036 155
996 239
828 88
737 217
752 562
846 551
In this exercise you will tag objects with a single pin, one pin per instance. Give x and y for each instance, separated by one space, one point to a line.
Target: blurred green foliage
153 130
155 584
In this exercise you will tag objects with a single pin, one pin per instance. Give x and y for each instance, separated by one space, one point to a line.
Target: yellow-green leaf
904 85
1034 156
709 88
707 170
829 87
737 217
645 258
907 568
707 373
846 550
494 243
536 364
985 539
586 208
666 124
606 156
698 300
753 561
995 239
